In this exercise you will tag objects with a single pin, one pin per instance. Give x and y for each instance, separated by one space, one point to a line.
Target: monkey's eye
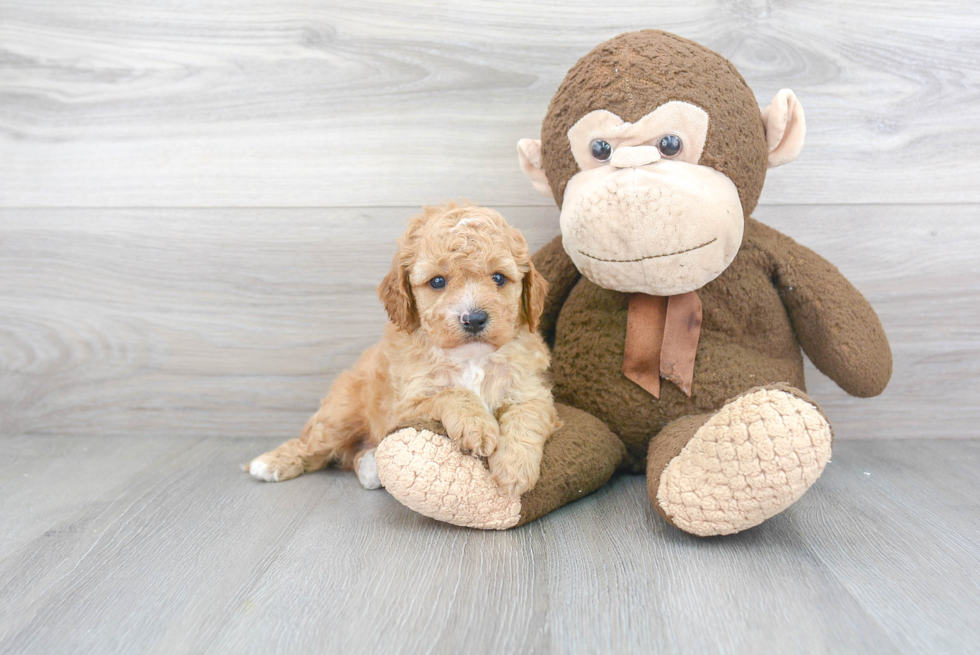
670 145
601 150
437 282
499 279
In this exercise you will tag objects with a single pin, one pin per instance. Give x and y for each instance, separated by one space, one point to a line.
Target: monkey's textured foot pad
747 463
425 472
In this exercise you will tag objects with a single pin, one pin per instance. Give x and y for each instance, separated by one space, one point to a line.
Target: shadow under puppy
462 348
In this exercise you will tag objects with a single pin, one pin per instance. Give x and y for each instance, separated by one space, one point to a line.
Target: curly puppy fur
486 386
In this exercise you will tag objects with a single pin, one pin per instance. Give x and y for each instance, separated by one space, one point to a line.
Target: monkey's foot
425 472
742 465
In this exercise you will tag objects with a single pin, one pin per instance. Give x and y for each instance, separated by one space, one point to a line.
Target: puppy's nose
474 322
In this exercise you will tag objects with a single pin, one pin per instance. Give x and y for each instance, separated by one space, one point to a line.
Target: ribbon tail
682 331
644 337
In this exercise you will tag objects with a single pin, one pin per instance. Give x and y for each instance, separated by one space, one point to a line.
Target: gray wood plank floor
130 545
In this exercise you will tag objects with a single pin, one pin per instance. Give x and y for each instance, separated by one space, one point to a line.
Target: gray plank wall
197 199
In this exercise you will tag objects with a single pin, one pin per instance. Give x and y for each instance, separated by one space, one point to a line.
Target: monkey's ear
529 154
533 293
785 128
395 292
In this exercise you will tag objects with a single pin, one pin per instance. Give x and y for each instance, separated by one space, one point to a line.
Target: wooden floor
131 545
197 201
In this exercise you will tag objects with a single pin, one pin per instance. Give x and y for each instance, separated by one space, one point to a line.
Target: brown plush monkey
676 320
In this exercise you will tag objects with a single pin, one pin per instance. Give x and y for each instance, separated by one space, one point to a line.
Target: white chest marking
471 362
473 374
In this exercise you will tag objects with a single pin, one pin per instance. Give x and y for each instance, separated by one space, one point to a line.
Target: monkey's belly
587 363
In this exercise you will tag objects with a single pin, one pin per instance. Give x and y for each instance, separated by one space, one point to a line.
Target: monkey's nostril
474 322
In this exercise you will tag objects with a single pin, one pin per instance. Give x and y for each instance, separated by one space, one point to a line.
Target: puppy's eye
499 279
601 150
670 145
437 282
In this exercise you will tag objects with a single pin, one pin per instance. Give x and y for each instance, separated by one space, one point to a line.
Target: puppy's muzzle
474 322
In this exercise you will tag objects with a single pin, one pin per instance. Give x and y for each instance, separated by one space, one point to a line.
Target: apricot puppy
461 347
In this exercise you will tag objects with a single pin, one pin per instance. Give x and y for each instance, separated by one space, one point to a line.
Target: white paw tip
260 471
367 471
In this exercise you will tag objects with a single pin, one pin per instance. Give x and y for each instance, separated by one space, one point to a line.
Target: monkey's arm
556 266
836 326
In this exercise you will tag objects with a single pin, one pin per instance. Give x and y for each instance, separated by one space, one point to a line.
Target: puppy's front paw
515 467
475 434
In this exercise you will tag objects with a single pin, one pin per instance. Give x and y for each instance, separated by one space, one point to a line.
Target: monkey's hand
836 326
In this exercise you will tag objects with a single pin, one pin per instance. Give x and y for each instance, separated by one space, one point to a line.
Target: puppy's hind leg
366 467
331 435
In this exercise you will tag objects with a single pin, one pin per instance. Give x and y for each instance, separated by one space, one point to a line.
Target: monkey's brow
640 259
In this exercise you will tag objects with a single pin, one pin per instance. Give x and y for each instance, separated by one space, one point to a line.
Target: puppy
461 347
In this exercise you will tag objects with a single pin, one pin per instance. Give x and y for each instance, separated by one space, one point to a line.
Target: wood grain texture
902 516
184 553
330 103
234 322
49 479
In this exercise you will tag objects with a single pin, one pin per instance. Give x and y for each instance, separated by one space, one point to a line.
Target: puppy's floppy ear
395 292
535 288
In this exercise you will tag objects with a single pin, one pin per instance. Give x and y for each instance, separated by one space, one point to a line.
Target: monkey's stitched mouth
640 259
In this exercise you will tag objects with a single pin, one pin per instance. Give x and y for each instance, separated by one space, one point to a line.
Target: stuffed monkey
676 320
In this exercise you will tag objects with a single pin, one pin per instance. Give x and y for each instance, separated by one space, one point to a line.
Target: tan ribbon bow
662 336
